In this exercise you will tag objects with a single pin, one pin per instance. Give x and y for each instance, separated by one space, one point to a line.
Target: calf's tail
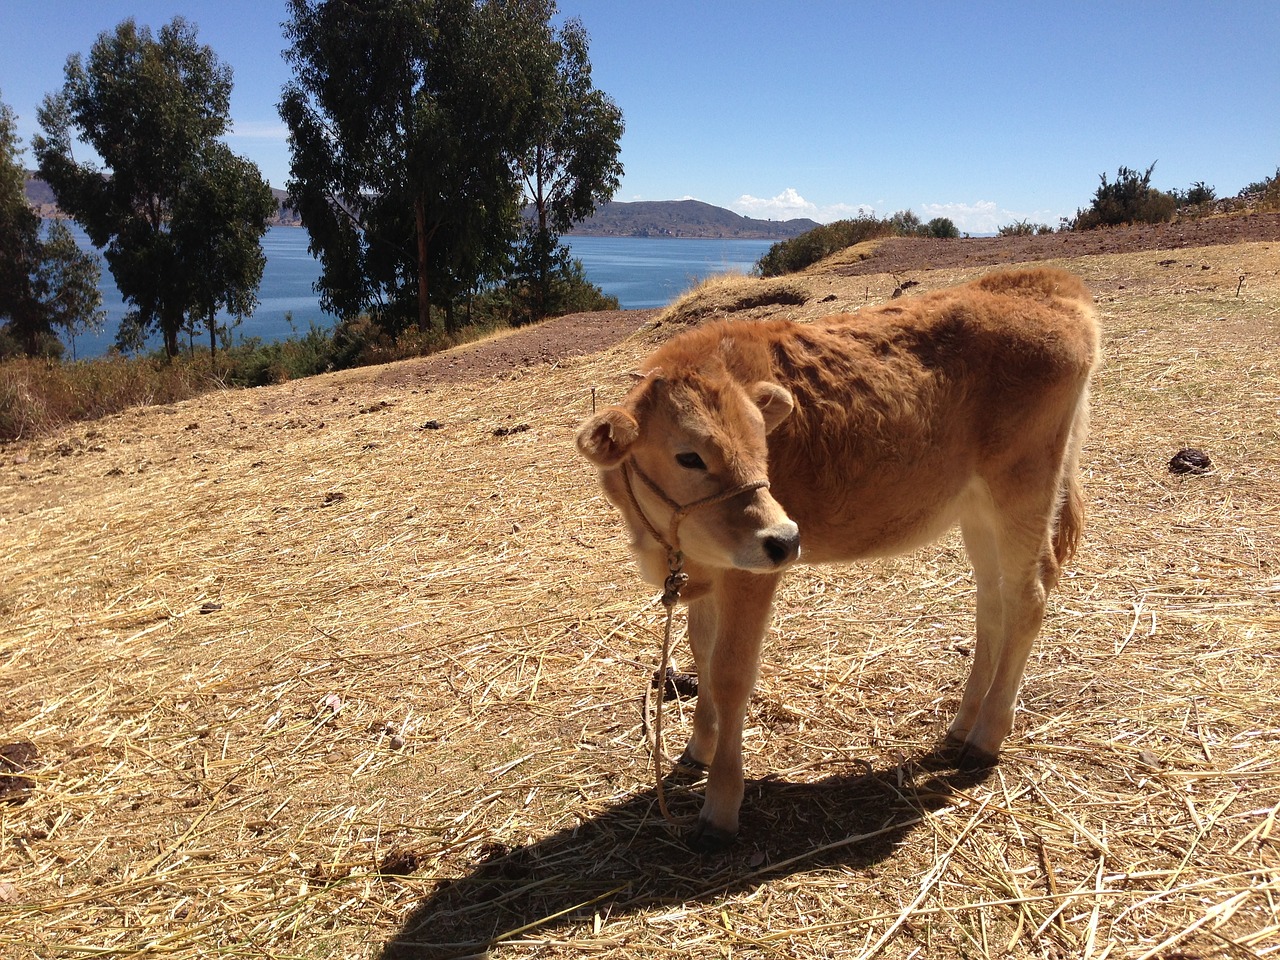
1070 525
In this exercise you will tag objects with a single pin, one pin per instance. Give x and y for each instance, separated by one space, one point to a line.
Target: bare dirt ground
351 667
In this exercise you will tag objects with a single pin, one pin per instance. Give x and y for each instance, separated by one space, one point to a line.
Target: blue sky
985 113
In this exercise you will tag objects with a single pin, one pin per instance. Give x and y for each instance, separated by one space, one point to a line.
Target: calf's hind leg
980 543
1008 546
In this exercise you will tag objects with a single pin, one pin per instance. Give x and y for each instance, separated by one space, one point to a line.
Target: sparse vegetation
1024 228
1195 195
41 395
797 253
1268 190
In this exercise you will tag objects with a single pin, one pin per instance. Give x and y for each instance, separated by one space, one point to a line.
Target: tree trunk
424 305
213 344
544 253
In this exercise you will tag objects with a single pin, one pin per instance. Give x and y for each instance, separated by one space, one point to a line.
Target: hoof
705 839
971 758
689 762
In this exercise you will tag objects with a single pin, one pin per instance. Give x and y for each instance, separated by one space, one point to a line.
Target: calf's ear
606 438
775 403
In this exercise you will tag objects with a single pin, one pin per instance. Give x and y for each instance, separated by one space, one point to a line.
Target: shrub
942 227
796 253
1131 199
1268 191
1024 228
1195 195
1263 185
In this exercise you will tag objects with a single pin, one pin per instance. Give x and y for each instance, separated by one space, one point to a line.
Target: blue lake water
640 271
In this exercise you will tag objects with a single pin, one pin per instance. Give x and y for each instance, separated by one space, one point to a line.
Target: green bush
1024 228
1195 195
1130 199
943 228
796 253
1269 188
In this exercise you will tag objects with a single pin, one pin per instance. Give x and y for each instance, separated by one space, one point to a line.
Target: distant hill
684 218
648 218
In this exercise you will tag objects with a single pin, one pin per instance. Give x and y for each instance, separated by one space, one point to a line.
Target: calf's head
686 458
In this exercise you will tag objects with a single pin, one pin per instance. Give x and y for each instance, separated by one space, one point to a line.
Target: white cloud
785 206
790 205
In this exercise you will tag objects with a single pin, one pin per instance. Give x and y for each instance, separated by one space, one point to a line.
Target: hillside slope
352 666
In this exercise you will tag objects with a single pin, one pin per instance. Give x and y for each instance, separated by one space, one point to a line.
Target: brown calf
748 445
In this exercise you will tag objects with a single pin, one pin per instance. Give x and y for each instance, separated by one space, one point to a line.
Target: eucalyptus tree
45 282
409 121
216 232
73 299
20 310
152 108
572 165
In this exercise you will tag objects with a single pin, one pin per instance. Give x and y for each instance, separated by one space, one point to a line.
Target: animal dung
1190 460
509 431
16 758
681 685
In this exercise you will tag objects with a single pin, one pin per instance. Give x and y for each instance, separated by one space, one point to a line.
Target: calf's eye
690 461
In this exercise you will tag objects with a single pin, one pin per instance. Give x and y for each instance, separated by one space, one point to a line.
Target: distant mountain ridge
684 218
644 218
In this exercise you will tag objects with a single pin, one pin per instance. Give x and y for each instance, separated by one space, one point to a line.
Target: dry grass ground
330 670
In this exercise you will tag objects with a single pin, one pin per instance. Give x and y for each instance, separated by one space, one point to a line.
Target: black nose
782 549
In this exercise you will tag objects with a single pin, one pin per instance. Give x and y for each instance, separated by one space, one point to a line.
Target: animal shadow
627 858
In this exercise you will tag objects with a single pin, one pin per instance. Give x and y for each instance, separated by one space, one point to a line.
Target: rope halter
676 578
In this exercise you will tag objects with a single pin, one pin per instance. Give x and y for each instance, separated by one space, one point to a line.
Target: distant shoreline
648 219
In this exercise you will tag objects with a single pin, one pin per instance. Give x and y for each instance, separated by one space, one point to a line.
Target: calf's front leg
728 664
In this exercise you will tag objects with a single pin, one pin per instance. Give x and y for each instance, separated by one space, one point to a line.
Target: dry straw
309 680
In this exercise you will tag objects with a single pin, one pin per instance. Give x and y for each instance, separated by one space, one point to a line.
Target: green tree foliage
217 232
569 169
73 299
45 283
406 120
796 253
152 107
1130 199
